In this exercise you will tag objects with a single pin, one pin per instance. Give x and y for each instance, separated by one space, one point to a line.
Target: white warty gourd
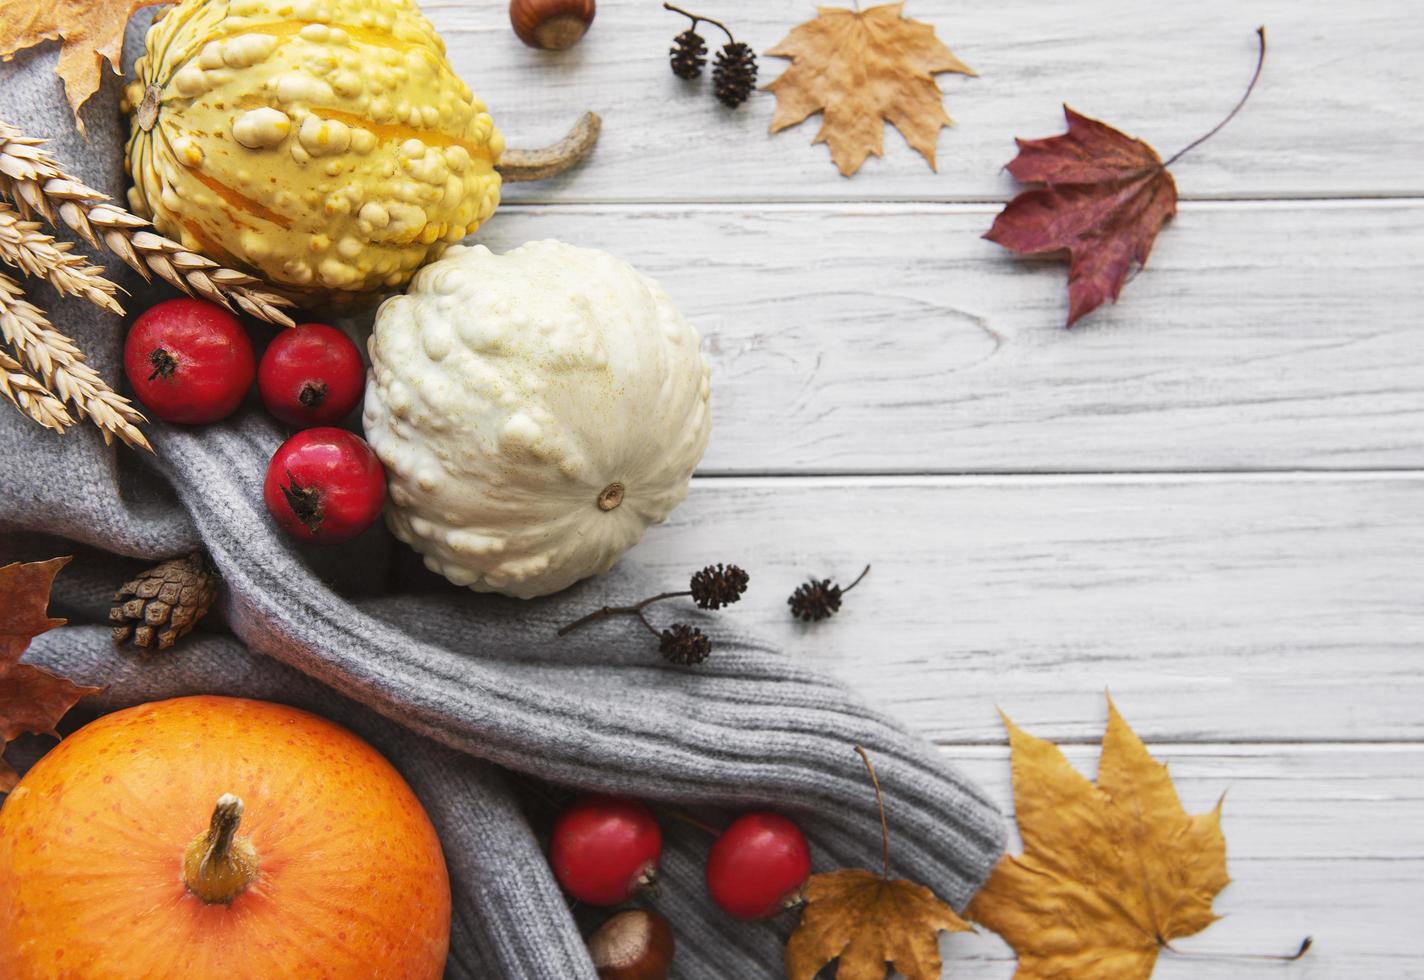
536 411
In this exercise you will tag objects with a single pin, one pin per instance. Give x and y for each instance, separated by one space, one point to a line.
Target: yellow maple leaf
92 32
1110 873
858 68
867 920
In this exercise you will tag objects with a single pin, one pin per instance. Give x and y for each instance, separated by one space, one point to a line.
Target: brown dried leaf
31 699
1110 872
868 921
1104 198
92 32
858 68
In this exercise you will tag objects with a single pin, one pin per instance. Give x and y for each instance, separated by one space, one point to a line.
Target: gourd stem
550 161
633 610
217 865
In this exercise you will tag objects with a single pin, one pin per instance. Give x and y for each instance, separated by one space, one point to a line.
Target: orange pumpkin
211 837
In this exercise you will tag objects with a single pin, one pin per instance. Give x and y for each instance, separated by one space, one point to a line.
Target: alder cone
734 77
349 877
688 54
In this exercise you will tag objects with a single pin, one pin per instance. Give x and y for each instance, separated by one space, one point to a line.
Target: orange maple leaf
867 920
1110 873
31 699
859 68
92 32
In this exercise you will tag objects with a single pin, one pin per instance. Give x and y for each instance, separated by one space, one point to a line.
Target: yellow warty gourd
324 144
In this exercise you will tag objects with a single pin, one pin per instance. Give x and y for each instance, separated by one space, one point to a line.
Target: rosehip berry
757 865
311 375
604 848
189 361
325 485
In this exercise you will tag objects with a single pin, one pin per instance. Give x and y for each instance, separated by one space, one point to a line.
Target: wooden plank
1246 608
1321 840
1334 114
875 338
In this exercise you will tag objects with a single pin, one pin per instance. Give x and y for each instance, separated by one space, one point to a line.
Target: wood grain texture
1335 113
1262 629
1322 841
1282 607
873 338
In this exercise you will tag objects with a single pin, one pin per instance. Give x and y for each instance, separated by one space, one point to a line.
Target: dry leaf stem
1250 87
1305 945
879 800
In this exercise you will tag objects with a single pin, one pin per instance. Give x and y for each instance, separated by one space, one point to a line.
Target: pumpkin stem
217 866
518 165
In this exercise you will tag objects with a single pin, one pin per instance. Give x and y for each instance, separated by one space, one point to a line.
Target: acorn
633 945
553 25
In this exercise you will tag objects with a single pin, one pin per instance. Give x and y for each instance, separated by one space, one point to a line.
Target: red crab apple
311 375
604 848
324 485
189 361
758 865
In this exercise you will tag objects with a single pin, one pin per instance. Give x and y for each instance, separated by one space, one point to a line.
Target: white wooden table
1209 499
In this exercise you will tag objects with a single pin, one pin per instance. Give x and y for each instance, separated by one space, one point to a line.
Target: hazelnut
633 945
551 24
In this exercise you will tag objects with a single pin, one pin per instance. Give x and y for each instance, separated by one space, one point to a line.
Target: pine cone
164 603
688 54
716 586
815 600
735 74
684 645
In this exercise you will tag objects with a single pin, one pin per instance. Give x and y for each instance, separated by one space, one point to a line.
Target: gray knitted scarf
450 685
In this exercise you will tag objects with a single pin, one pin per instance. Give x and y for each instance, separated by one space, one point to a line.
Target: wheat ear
27 248
59 364
30 396
34 181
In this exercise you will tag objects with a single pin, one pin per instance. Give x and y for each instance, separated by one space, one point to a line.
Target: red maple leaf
31 699
1104 198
